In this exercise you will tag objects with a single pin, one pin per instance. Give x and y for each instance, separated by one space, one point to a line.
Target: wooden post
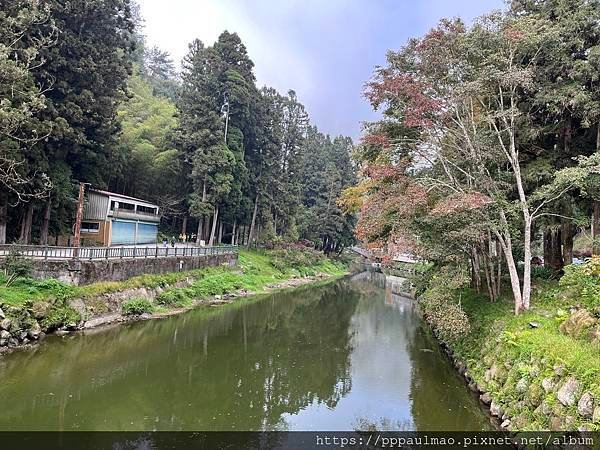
78 218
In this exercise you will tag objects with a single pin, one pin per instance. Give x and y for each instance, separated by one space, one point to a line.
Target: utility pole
78 218
225 112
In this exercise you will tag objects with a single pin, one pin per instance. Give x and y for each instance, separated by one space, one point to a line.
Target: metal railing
97 253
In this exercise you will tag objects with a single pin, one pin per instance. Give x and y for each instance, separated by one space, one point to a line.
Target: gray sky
323 49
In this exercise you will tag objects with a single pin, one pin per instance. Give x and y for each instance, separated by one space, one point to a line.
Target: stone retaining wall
84 272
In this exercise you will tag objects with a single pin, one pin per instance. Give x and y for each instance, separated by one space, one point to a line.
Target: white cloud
323 49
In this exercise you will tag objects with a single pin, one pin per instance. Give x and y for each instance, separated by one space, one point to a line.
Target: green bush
60 315
542 273
440 303
15 266
137 306
294 258
173 297
582 281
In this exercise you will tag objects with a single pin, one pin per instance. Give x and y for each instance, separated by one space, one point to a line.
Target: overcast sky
323 49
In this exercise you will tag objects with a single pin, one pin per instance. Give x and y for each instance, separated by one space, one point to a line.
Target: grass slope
509 347
255 270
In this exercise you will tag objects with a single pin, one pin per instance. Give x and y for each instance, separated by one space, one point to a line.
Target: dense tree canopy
224 160
485 143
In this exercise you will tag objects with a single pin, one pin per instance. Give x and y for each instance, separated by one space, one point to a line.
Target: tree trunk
596 211
547 243
596 229
515 283
527 262
233 231
184 226
486 271
26 222
220 238
253 222
476 275
200 228
488 267
499 278
553 256
566 233
46 222
3 216
201 219
565 222
206 230
557 254
213 231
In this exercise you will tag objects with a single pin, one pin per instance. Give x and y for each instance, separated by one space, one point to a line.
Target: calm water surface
335 357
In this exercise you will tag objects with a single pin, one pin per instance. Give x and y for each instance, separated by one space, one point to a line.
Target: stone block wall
84 272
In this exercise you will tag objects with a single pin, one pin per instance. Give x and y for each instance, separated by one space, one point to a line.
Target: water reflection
329 357
234 368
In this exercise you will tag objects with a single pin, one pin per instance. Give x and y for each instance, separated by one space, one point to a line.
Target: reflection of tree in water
383 424
297 352
440 399
238 368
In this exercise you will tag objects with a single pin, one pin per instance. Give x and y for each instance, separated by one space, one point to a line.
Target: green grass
492 322
499 337
137 306
25 289
255 270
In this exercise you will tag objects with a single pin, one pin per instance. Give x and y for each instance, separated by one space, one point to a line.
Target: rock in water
4 337
35 331
569 392
486 398
495 409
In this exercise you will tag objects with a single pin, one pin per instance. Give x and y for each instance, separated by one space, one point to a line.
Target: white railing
96 253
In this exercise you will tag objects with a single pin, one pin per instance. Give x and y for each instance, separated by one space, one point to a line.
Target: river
341 356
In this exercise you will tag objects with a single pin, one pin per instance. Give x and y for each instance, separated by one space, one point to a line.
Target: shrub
294 257
582 281
542 273
54 287
440 306
60 315
137 306
16 266
173 297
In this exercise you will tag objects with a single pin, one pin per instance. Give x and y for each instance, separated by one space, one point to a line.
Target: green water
333 357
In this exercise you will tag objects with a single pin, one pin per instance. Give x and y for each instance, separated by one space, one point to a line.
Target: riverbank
539 370
29 309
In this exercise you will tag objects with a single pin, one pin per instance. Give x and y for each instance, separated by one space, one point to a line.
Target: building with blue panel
114 219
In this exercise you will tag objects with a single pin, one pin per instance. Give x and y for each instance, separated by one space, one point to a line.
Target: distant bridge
400 257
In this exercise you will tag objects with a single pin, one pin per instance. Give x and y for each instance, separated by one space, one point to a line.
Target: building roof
125 197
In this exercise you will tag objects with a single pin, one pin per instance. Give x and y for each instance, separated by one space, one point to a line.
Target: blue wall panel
147 233
123 232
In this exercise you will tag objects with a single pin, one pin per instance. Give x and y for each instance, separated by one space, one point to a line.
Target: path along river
341 356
